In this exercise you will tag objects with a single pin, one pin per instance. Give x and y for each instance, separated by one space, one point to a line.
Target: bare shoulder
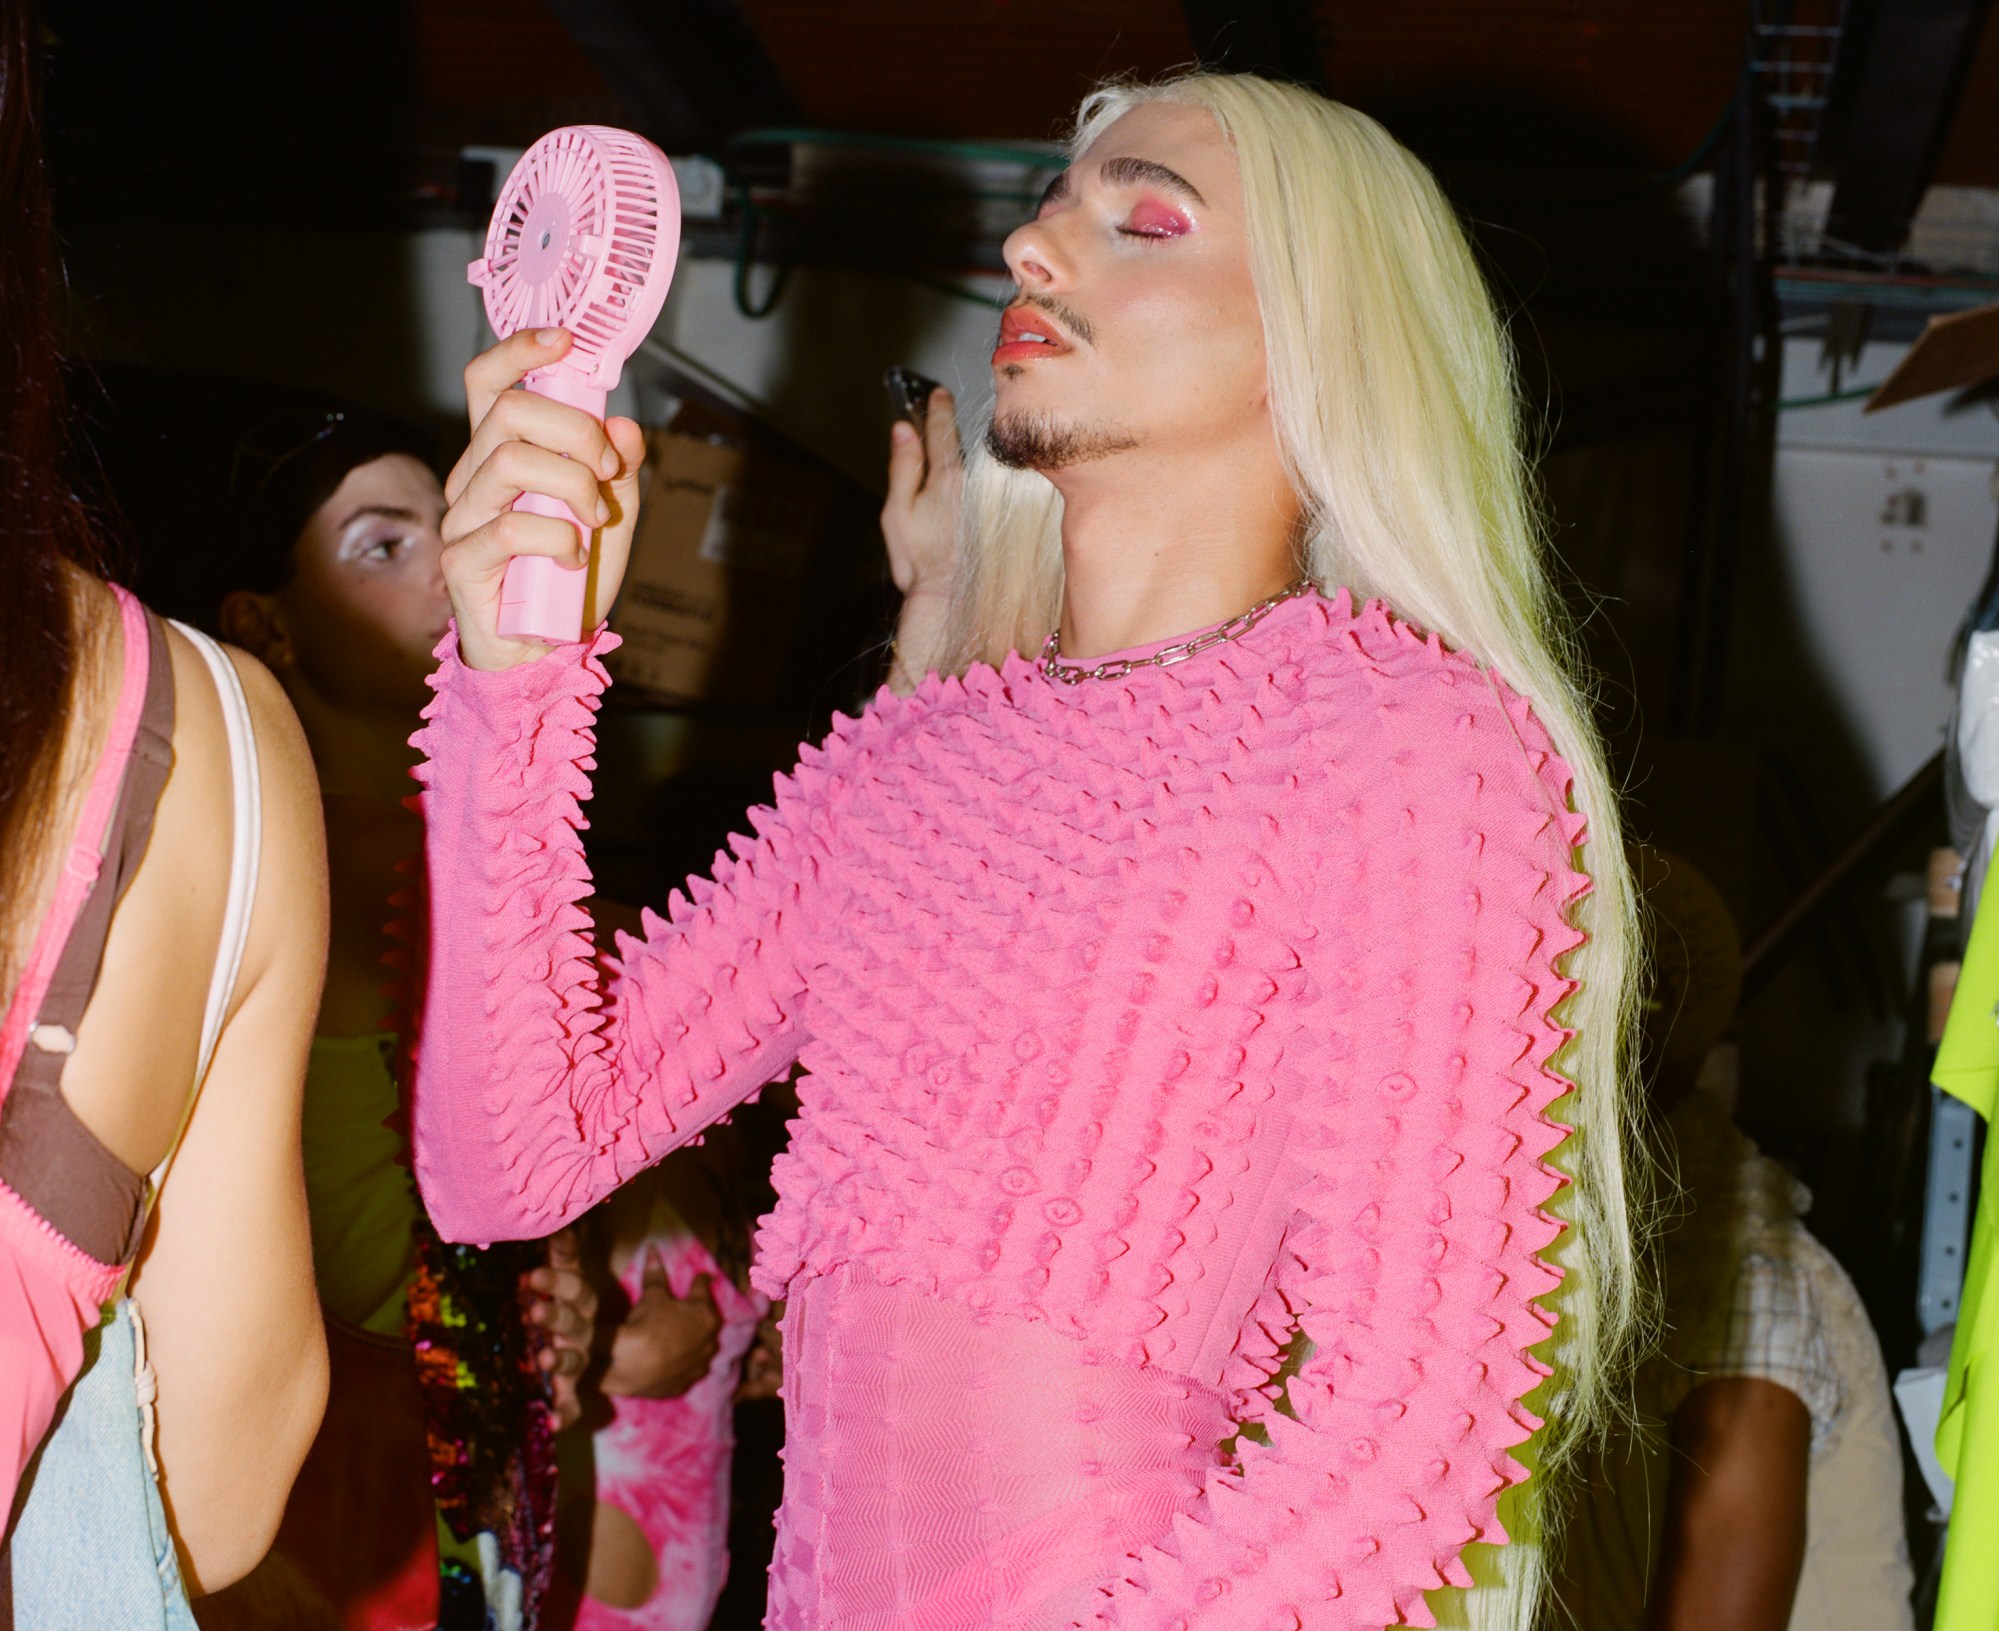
139 1042
288 927
199 730
287 762
288 922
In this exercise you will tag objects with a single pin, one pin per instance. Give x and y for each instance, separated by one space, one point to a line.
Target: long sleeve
1419 1131
536 1093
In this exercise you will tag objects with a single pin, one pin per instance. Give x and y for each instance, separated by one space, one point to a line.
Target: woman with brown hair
162 940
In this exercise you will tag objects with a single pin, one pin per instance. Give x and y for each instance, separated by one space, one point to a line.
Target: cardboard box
727 526
1951 354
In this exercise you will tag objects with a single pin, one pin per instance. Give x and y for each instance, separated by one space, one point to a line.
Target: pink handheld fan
584 237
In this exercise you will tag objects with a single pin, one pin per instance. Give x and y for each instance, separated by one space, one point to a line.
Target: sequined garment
1147 1023
491 1432
488 1424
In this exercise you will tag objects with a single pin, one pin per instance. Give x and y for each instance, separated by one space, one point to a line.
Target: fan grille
584 237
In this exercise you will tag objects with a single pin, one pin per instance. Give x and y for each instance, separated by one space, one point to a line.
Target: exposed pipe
1768 950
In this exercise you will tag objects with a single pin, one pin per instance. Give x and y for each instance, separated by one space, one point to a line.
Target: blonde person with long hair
1209 981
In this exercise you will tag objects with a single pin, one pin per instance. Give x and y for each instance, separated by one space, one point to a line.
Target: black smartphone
909 394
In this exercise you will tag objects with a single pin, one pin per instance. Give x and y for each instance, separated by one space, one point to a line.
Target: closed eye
1154 220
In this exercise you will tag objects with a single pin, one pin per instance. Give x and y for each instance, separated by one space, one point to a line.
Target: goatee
1034 441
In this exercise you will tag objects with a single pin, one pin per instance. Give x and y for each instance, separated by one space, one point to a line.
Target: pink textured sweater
1146 1025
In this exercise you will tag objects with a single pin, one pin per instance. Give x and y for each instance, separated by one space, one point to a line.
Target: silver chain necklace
1055 668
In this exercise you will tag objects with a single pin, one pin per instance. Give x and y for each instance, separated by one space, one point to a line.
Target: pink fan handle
540 599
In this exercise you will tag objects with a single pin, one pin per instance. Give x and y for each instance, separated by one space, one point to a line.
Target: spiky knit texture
1178 1014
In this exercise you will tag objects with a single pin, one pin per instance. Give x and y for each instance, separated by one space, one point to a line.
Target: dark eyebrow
1127 171
390 512
1054 192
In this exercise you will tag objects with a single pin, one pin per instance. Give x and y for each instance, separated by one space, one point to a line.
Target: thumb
653 1276
629 438
562 1250
614 541
905 462
940 430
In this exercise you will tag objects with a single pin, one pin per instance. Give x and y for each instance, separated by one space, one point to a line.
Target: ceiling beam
1277 38
690 72
1894 91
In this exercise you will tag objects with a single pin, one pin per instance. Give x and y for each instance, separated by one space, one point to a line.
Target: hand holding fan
584 238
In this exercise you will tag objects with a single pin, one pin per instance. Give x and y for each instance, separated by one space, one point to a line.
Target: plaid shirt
1777 1332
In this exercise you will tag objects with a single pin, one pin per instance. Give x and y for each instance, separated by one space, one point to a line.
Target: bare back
224 1274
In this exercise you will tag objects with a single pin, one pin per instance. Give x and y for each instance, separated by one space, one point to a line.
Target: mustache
1071 319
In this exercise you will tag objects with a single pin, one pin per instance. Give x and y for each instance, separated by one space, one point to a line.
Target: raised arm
1410 1265
537 1093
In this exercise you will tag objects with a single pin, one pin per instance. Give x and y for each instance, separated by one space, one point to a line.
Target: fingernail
902 431
603 512
548 337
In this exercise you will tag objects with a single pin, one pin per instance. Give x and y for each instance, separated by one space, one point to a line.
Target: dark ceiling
324 110
1649 75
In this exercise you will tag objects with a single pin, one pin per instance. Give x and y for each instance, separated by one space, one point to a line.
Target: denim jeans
91 1551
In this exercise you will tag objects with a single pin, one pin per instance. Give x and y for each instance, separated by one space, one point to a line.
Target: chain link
1056 669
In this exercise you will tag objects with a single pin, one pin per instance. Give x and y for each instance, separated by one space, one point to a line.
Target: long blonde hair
1393 393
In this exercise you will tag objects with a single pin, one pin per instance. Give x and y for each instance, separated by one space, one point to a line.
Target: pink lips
1018 322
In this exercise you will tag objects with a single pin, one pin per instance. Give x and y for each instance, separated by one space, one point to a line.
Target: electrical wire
1850 394
753 217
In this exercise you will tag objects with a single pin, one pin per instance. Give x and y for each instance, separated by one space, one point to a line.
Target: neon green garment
1967 1067
359 1194
362 1203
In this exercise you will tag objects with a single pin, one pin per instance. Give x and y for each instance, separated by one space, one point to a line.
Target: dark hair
214 478
44 525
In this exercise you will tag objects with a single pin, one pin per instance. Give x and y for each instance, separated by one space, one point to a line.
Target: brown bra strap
48 1157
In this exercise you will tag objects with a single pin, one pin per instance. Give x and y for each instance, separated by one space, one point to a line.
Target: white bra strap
246 847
